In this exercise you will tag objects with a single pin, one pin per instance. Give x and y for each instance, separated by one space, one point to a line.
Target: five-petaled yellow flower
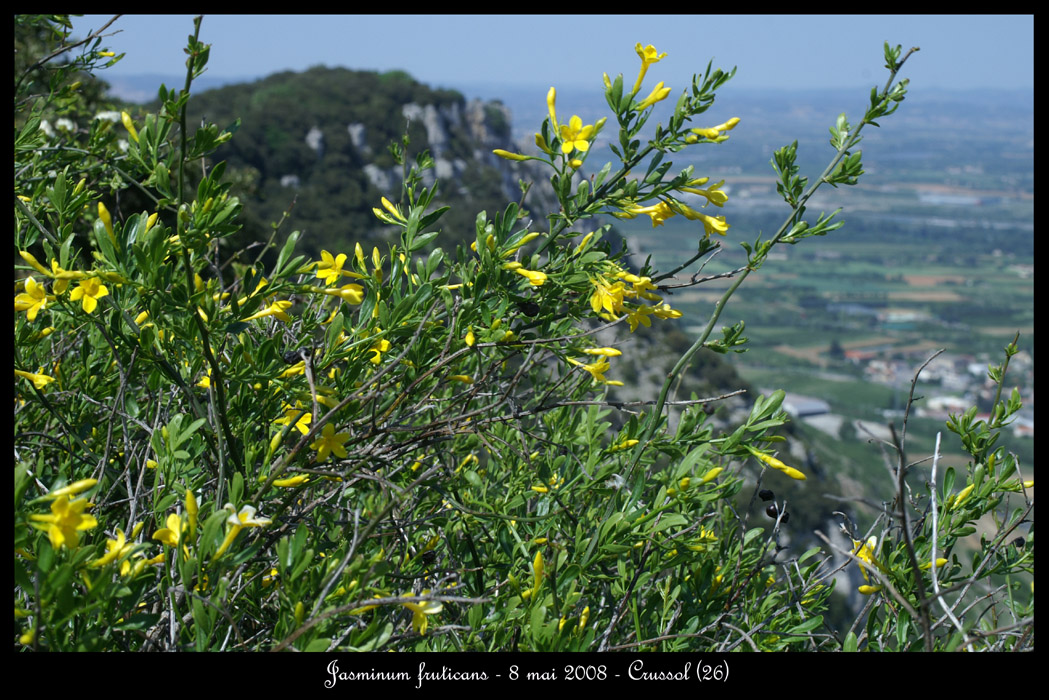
89 292
33 299
66 519
329 268
330 442
575 136
648 56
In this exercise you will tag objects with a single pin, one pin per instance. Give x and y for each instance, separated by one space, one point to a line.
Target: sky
460 51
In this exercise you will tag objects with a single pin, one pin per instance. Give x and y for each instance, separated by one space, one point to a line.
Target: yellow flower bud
107 220
31 259
129 125
964 494
711 475
510 156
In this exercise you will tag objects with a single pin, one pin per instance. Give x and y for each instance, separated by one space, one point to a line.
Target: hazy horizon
470 51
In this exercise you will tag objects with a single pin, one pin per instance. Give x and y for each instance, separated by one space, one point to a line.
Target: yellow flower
296 369
648 56
330 442
329 268
606 296
639 316
713 193
575 136
584 617
277 308
658 94
420 610
115 549
65 521
129 125
379 348
171 534
271 578
664 311
470 339
597 369
658 212
33 300
293 414
551 98
864 551
714 132
461 378
90 291
238 520
711 224
350 293
535 277
39 380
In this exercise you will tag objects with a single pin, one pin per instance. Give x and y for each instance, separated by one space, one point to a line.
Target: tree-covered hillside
318 143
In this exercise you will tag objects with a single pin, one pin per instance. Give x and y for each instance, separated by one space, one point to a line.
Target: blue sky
788 52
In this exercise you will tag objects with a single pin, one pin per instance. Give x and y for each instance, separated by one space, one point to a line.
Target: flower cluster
610 299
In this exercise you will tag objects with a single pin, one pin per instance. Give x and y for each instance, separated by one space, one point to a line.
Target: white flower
64 124
109 116
45 126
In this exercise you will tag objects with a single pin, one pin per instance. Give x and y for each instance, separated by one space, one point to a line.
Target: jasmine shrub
410 447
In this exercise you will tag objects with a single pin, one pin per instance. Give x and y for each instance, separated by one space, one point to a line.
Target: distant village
950 384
